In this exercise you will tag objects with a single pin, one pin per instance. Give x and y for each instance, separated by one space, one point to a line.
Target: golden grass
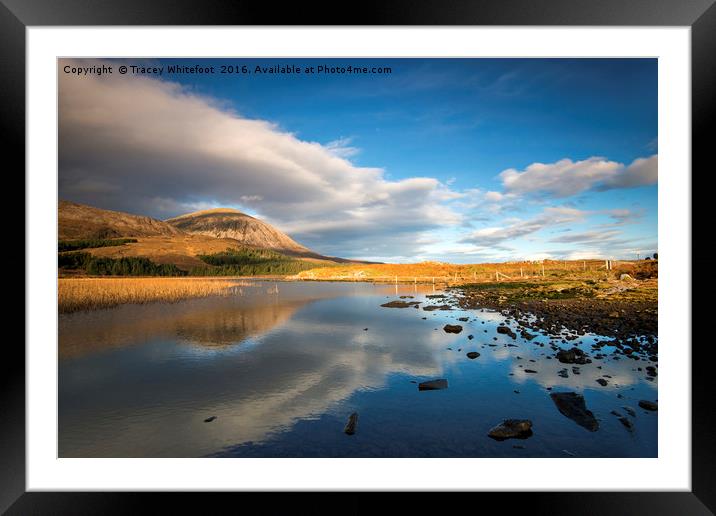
75 294
454 273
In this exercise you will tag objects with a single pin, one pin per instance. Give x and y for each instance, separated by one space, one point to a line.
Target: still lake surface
282 367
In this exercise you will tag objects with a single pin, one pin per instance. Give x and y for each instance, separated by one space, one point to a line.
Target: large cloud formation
153 147
565 178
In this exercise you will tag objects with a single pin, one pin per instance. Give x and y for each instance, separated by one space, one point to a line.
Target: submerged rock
452 328
473 354
572 405
400 304
512 429
433 385
350 427
627 423
648 405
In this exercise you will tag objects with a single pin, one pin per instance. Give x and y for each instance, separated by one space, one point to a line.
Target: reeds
75 294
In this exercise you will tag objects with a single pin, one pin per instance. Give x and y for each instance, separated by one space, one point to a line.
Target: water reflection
281 370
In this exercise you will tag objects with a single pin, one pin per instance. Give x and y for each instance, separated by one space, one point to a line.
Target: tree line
73 245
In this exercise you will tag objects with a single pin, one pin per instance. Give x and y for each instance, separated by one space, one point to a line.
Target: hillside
78 221
245 229
248 230
190 242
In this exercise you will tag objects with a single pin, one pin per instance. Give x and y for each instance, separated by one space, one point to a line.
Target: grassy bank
75 294
438 272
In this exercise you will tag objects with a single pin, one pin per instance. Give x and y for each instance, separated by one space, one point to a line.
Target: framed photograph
428 249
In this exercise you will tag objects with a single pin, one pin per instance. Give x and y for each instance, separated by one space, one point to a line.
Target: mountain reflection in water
282 370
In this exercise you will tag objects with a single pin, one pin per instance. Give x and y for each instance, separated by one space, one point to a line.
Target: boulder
573 356
512 429
473 354
452 328
648 405
400 304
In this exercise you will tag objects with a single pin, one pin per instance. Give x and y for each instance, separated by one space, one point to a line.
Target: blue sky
461 160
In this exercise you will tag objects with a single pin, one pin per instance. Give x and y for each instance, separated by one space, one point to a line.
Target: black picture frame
700 15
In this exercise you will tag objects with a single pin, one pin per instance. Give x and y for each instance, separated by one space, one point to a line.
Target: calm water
282 371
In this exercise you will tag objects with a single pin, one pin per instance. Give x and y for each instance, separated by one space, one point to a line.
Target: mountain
247 230
181 240
78 221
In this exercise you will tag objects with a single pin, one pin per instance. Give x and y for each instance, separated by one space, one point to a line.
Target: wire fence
479 274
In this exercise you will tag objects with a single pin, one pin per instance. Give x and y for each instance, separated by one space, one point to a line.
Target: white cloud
565 178
587 237
519 228
342 148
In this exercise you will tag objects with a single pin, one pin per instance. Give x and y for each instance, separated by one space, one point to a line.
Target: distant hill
245 229
182 240
77 221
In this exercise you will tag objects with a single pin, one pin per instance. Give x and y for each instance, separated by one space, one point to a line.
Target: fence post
521 275
543 270
396 280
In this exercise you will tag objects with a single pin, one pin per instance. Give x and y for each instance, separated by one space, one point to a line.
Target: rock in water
209 419
630 411
504 330
572 405
602 382
648 405
572 356
512 429
452 328
473 354
400 304
433 385
350 428
628 424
